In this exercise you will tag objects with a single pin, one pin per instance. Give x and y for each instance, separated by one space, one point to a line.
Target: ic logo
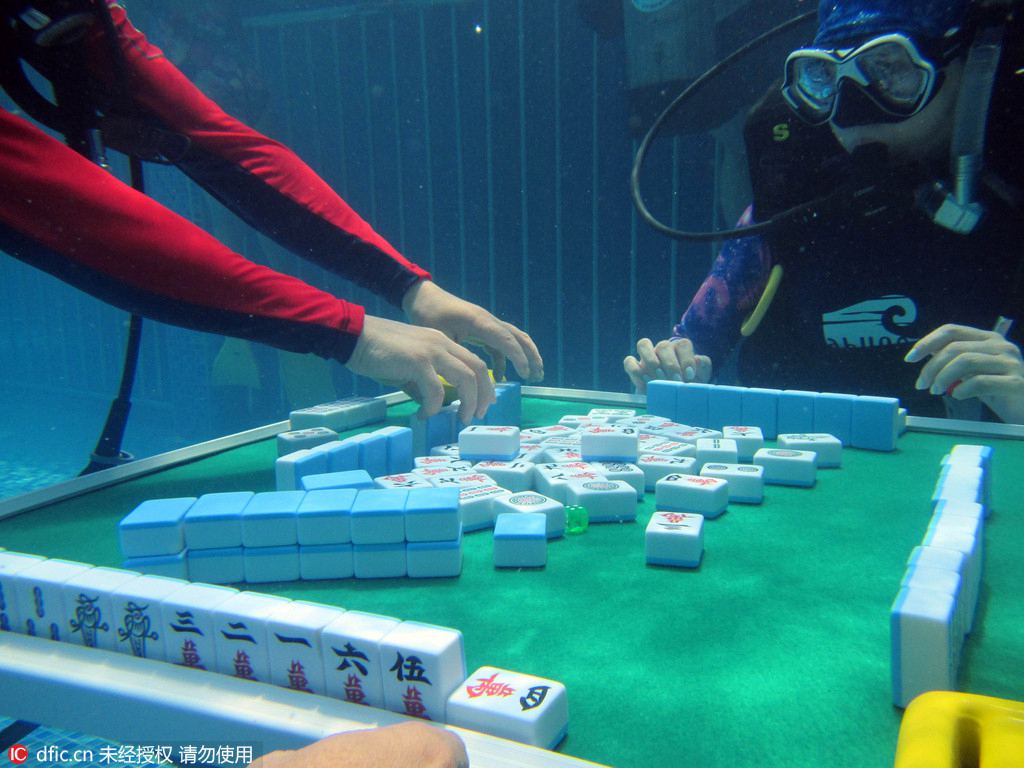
17 753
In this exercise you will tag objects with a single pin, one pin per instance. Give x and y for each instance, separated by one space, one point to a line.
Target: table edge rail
141 701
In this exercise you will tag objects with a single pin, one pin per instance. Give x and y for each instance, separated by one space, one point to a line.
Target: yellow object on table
943 729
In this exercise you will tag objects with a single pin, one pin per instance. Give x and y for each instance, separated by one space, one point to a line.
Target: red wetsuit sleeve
260 179
69 217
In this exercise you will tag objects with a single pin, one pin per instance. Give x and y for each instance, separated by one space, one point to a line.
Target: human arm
67 216
261 180
969 362
267 185
710 327
407 745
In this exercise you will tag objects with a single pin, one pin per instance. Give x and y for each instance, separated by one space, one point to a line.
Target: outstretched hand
672 359
409 357
429 305
969 362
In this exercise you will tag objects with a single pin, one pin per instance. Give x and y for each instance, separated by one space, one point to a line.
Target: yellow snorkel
767 296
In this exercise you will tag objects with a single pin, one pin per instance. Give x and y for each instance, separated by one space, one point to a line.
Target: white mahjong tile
135 606
511 705
295 647
353 665
422 665
240 634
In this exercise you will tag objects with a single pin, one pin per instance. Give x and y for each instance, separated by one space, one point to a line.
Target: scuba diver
68 216
913 112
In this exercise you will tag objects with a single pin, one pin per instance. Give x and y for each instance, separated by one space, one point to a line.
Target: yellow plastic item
751 323
942 729
450 393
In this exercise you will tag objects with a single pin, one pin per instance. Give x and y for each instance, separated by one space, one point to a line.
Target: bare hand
407 745
410 358
969 362
670 359
429 305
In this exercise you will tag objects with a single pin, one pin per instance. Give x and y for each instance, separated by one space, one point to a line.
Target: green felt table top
774 652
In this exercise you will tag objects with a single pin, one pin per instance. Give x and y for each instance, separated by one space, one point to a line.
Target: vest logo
877 322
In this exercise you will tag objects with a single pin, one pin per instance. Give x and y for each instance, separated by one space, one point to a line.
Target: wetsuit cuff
349 337
401 285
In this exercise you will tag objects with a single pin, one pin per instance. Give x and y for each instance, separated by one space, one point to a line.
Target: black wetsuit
866 278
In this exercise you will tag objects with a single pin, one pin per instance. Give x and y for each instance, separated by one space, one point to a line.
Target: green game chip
576 519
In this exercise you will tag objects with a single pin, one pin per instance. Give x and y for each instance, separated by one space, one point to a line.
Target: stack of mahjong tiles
313 437
318 451
312 446
327 519
858 421
340 415
326 533
408 667
935 607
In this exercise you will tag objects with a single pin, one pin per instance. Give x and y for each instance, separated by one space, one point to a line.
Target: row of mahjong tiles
860 421
935 607
405 666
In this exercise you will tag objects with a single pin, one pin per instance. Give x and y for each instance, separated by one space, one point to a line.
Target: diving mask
889 70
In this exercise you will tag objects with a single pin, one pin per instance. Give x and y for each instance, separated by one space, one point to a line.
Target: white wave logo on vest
880 322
